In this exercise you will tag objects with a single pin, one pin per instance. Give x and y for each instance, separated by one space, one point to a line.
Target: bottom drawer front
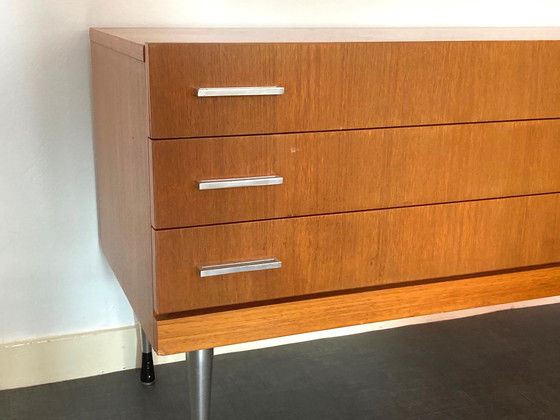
352 250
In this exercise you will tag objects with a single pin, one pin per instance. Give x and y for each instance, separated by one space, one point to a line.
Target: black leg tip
147 374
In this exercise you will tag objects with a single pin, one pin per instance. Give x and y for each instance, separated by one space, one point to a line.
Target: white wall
53 278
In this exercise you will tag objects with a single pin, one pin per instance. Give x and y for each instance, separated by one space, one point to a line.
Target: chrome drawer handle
240 91
239 267
252 181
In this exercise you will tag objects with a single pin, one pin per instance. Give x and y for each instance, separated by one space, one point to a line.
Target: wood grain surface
123 176
333 86
201 331
131 41
352 170
334 81
353 250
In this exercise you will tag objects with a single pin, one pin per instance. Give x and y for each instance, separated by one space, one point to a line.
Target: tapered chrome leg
147 374
200 382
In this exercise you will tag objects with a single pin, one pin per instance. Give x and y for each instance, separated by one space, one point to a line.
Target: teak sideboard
256 183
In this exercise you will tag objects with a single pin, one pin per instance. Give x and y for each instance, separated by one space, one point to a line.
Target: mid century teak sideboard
255 183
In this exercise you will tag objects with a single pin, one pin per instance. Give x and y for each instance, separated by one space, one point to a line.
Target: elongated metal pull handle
240 91
252 181
239 267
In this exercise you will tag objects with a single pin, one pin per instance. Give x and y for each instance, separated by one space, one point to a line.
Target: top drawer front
349 85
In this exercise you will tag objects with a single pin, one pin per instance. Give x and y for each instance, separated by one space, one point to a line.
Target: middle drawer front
353 250
350 170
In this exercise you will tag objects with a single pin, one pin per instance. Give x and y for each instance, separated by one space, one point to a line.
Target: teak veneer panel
199 331
333 86
353 250
352 170
123 176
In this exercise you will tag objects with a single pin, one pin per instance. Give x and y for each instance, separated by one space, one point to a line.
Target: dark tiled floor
504 365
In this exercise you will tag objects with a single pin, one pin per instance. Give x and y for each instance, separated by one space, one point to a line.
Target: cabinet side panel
122 175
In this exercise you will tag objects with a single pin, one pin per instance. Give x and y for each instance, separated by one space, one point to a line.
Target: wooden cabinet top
131 41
